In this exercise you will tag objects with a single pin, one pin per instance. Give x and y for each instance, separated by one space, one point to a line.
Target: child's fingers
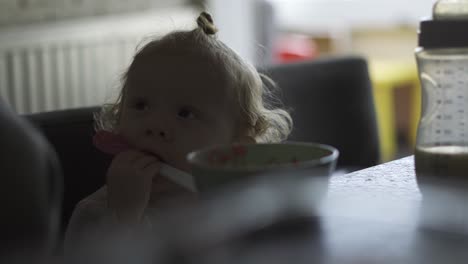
153 168
130 155
145 161
165 187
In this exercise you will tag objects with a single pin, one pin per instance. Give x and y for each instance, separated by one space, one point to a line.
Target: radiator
76 63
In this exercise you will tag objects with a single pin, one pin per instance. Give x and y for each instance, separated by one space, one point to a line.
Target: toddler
182 92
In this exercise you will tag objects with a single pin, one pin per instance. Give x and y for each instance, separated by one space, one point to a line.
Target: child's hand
129 179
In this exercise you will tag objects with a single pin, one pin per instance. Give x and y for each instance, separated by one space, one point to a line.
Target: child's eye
186 113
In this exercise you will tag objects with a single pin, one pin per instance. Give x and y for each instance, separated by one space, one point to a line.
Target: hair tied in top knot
205 22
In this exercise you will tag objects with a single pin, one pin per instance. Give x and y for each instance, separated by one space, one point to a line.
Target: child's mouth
151 153
112 143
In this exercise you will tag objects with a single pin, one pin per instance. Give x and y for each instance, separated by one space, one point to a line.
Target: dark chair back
70 133
332 103
30 191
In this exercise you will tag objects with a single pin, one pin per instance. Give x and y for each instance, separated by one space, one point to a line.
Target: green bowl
220 165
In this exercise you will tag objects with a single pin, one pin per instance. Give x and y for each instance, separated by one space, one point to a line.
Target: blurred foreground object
31 190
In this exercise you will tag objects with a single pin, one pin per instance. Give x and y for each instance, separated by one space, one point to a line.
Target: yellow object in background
386 76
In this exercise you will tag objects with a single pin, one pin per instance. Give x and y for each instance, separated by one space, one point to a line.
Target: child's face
174 105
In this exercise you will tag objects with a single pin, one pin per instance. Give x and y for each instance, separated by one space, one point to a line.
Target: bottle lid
450 10
448 28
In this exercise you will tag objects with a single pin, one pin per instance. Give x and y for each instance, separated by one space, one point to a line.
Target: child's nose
159 131
162 133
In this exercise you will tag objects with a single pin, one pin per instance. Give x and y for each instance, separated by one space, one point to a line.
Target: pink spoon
113 144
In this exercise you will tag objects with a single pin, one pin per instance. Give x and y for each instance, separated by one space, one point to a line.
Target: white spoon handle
180 177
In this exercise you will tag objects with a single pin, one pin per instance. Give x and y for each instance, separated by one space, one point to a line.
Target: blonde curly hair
260 111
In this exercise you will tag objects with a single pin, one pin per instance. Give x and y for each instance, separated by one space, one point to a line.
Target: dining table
395 179
384 217
374 215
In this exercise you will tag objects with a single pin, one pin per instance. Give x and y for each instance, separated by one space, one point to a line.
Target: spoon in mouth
112 143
